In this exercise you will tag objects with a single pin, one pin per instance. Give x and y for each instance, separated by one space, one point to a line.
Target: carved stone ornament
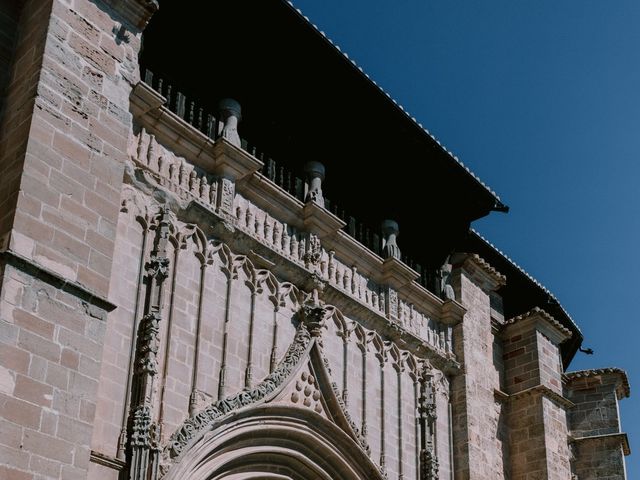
227 193
315 176
393 302
446 290
428 465
313 317
198 424
313 251
390 231
148 344
143 431
231 114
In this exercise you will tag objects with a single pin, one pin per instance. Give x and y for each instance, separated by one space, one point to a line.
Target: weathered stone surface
166 311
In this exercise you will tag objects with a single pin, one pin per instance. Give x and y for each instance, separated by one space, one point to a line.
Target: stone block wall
62 150
599 445
478 417
538 432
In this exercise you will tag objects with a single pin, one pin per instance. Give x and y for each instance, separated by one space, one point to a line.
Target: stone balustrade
225 180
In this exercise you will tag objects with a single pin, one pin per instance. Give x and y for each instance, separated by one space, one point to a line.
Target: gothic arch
274 442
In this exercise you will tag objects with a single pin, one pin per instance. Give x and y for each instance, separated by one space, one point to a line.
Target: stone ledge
543 391
30 267
620 438
297 273
538 318
107 461
623 389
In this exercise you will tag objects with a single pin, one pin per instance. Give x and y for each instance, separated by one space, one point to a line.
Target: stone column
537 419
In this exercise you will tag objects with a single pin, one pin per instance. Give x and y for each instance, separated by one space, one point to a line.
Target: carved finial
446 290
390 231
315 176
313 315
231 114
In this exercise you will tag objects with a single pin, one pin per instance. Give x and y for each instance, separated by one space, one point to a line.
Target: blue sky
541 99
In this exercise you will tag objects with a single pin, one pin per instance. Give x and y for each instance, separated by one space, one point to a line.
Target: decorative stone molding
623 390
612 439
106 461
196 425
537 318
545 391
36 270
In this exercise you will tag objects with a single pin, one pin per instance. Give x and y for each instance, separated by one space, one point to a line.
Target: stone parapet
170 153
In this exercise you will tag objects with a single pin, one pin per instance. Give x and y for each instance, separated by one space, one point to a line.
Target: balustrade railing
194 113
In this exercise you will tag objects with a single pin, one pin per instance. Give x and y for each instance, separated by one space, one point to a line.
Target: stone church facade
170 309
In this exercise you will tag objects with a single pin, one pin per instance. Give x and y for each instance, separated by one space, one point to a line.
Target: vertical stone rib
416 415
345 346
274 345
364 390
227 317
248 374
382 415
400 465
193 399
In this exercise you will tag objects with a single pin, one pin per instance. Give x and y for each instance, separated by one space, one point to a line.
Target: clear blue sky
541 99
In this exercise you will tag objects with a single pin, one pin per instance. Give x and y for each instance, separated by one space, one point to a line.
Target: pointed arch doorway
275 443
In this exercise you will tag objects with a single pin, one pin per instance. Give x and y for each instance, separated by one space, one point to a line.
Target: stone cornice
544 391
397 274
538 318
452 312
619 438
33 268
479 270
623 389
107 460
